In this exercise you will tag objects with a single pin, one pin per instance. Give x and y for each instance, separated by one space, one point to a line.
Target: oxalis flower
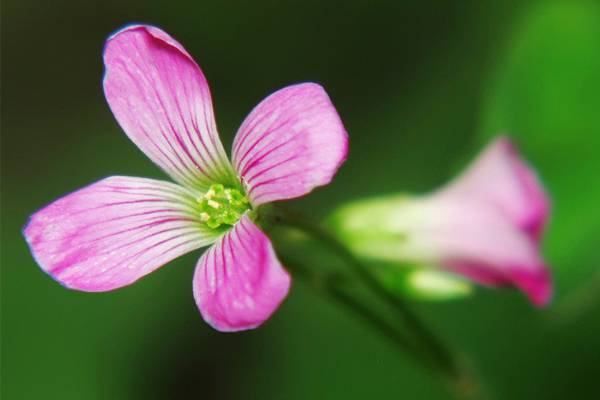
115 231
485 225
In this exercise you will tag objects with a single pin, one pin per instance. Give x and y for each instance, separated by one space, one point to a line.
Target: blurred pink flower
115 231
485 225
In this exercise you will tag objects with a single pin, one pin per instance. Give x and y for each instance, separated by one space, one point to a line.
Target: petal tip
29 234
534 220
152 31
225 327
537 285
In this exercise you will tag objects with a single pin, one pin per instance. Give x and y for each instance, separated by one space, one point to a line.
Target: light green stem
420 343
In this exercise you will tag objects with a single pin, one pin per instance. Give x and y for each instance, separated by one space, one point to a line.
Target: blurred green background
420 85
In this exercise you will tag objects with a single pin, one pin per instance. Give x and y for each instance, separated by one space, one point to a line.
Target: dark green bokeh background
421 86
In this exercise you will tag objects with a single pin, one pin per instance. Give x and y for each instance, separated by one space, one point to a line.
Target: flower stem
333 285
424 344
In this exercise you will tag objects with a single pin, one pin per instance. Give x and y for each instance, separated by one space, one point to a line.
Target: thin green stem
421 343
333 285
428 343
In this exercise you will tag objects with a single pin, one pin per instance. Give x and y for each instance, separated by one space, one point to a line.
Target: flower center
220 205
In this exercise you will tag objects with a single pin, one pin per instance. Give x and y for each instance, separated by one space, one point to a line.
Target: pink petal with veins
292 142
239 281
113 232
162 101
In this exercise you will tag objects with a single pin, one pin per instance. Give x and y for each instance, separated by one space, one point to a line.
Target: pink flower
485 225
115 231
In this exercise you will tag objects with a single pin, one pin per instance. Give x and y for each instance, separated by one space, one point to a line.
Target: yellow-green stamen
220 205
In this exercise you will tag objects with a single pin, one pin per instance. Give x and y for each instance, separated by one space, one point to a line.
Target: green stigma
220 205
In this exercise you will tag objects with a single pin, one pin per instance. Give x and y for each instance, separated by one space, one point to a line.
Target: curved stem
333 285
434 350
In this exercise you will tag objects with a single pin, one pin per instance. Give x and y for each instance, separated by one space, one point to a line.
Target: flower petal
499 176
239 281
113 232
292 142
476 240
162 101
463 235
